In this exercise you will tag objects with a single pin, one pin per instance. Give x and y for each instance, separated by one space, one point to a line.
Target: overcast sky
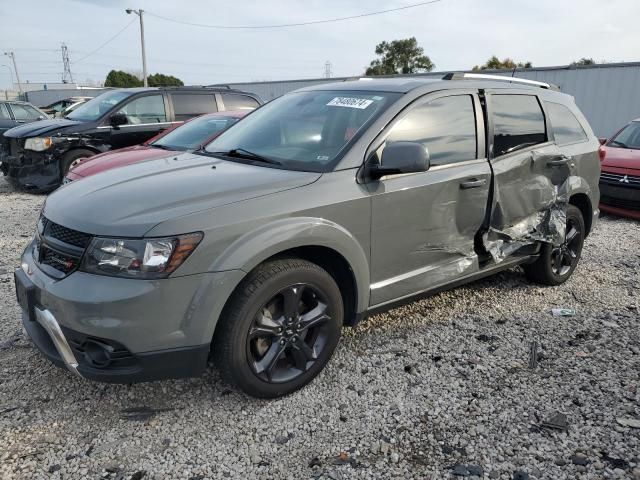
456 34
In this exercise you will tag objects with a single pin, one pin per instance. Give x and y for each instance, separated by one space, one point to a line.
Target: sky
455 34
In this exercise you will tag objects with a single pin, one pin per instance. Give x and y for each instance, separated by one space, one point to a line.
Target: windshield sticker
322 158
360 103
377 98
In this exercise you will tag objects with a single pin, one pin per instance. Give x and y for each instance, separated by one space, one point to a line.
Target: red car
620 177
191 135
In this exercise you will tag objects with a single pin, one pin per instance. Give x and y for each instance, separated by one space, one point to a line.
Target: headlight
138 258
38 144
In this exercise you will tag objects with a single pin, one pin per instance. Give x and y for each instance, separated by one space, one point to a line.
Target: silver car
317 209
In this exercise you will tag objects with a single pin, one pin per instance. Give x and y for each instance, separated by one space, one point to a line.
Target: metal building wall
607 94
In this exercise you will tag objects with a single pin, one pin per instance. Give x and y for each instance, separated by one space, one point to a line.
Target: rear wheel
555 264
279 329
71 158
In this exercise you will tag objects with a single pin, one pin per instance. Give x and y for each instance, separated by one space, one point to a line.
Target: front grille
620 179
13 147
60 261
59 248
620 202
66 235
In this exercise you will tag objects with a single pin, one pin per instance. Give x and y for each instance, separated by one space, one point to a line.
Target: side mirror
400 157
602 141
118 119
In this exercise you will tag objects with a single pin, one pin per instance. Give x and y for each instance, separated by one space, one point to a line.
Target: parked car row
37 156
63 107
257 244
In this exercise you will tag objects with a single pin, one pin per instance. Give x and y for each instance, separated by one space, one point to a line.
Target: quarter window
186 106
566 127
234 101
518 122
445 126
149 109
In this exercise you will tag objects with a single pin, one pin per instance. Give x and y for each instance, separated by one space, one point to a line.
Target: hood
130 200
40 127
625 158
117 158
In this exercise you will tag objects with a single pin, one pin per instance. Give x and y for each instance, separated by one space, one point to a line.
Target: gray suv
317 209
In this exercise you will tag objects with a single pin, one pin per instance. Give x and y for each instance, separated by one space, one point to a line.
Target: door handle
558 161
473 184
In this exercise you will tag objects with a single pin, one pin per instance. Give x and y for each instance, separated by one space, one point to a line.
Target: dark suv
319 208
36 157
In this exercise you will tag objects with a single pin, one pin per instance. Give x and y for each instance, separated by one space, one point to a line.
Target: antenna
67 77
328 72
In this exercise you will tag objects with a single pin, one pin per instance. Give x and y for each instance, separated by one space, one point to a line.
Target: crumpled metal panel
545 226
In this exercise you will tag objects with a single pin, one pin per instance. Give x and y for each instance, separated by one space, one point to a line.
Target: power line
285 25
105 43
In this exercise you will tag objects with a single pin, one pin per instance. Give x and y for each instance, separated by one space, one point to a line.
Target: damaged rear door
530 188
423 224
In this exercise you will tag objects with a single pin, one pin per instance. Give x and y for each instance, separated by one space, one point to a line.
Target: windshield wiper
619 143
242 153
163 147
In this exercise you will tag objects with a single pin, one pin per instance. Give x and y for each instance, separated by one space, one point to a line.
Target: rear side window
145 110
4 112
446 126
518 122
186 106
235 101
565 125
24 112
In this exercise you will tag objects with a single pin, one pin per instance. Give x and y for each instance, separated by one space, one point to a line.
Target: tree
584 61
161 80
400 56
120 79
494 63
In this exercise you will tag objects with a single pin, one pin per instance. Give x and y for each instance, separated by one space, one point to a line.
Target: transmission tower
66 75
328 72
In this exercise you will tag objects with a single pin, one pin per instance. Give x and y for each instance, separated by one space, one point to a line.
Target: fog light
97 353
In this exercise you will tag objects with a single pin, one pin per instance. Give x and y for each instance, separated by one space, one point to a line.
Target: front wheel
279 328
555 264
72 158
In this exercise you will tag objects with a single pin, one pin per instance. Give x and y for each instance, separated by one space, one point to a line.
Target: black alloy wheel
288 333
279 328
555 264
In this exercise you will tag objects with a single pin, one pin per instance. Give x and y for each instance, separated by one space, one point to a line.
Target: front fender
257 245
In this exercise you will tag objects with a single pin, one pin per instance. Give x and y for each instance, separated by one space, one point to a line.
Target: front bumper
32 171
152 330
620 193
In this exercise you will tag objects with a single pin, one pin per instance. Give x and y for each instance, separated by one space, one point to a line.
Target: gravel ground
439 387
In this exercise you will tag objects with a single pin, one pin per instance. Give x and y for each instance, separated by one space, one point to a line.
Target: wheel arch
582 202
320 241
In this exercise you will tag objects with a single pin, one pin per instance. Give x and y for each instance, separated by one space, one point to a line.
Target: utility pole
327 69
12 56
144 55
66 75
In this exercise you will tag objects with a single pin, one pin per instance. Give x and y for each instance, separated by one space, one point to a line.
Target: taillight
602 152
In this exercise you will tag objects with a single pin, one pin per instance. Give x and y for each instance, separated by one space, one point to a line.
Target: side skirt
486 272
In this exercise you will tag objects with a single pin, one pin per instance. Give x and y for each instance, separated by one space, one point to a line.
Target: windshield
305 130
98 106
629 137
194 133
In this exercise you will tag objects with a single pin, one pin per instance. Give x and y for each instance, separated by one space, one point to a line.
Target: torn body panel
41 171
531 194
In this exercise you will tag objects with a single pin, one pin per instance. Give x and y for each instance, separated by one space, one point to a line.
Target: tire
71 157
545 270
256 349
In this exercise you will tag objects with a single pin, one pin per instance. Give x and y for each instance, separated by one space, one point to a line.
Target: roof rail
500 78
